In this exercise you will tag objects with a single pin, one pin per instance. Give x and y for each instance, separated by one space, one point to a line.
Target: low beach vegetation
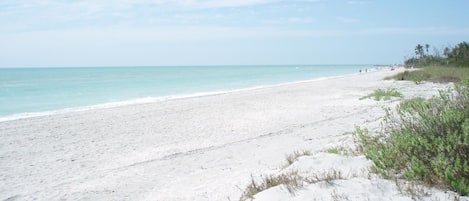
425 141
383 94
437 74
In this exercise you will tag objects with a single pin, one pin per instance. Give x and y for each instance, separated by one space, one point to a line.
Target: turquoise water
33 91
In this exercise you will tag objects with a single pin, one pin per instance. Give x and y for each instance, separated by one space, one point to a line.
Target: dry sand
200 148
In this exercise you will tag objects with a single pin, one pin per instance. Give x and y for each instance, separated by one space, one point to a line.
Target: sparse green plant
418 81
424 140
341 151
383 94
333 150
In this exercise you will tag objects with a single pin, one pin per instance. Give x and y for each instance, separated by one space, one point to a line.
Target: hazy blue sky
211 32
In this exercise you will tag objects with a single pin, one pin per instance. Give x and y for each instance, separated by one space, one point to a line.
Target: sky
61 33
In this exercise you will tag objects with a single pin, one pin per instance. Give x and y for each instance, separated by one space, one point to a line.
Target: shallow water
35 91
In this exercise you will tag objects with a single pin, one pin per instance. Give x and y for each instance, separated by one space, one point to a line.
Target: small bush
383 94
424 140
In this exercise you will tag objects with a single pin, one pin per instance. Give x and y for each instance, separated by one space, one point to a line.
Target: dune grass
383 94
290 180
434 74
424 140
291 158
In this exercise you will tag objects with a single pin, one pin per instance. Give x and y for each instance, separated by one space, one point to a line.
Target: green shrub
424 140
383 94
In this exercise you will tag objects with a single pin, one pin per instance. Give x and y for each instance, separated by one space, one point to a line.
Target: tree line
457 56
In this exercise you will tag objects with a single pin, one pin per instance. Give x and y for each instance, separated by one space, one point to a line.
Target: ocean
26 92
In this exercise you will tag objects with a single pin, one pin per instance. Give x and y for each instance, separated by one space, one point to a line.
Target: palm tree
446 52
419 50
426 48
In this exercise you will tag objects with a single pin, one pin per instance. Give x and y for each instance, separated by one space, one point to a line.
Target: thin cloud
130 35
223 3
25 15
289 21
420 31
126 4
347 20
357 2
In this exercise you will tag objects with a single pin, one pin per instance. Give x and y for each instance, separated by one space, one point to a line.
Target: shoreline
201 148
72 90
152 100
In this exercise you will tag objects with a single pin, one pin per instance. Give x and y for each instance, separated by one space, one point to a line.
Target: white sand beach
200 148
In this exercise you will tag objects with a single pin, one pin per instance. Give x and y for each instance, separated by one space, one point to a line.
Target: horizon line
198 65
